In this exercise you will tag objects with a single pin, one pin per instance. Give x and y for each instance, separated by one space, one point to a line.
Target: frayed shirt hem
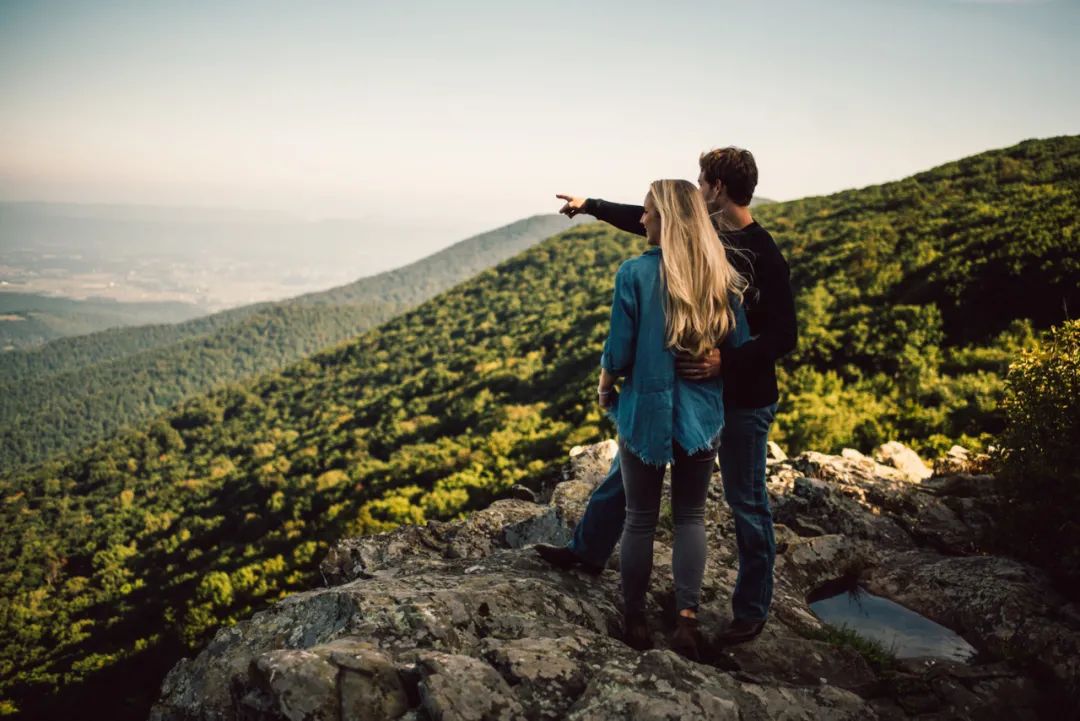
644 458
659 463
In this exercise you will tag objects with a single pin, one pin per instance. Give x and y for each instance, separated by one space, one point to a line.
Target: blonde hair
698 277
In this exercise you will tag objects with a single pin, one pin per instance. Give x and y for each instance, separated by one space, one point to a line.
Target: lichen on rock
462 620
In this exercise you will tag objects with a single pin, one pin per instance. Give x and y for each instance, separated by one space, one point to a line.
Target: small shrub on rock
1039 456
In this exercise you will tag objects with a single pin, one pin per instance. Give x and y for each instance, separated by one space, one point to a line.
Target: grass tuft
878 655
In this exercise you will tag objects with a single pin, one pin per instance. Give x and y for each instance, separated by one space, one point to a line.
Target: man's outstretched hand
573 204
698 368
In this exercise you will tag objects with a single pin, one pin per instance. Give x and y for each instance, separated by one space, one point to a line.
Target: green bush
1039 455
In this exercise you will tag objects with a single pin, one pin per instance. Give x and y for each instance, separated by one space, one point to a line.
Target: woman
682 294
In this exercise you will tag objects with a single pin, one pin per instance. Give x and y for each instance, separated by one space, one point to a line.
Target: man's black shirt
749 370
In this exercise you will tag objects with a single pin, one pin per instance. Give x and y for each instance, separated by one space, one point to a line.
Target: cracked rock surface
462 620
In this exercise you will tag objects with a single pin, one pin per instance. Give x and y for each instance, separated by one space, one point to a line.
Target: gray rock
960 460
662 685
951 689
1003 607
547 674
413 546
784 657
521 493
835 502
852 495
960 485
810 562
547 527
299 684
462 620
461 688
591 463
569 500
344 679
903 459
776 453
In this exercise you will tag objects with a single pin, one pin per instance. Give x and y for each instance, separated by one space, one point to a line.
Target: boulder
1005 608
462 620
591 463
776 453
461 688
903 459
344 679
960 460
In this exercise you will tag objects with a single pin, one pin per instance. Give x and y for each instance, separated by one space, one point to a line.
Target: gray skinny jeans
643 483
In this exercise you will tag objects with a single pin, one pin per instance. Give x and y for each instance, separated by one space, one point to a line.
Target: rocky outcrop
462 620
904 460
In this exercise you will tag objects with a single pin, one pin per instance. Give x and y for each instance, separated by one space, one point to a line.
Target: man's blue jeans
742 451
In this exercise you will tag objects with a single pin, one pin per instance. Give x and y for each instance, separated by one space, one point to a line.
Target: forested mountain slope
913 296
121 557
74 391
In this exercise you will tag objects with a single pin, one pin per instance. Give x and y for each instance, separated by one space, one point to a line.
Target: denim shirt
655 405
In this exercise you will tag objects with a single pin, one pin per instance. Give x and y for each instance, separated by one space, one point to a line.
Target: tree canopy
121 557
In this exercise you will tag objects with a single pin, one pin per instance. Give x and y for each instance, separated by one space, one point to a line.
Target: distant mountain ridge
74 391
29 320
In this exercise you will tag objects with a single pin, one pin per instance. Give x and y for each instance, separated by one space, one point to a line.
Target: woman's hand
573 204
605 390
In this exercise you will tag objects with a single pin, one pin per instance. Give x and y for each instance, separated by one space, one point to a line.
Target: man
727 179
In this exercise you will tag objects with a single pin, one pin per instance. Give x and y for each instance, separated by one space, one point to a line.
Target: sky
467 115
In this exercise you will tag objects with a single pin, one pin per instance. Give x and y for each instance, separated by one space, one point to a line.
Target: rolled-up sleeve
618 353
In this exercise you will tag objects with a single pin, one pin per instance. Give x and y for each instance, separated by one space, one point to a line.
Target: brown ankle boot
636 632
686 639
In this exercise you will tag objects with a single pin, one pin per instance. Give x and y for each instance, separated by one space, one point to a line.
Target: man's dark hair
735 168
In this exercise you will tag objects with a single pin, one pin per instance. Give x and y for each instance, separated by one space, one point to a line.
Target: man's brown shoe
687 639
738 631
562 557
